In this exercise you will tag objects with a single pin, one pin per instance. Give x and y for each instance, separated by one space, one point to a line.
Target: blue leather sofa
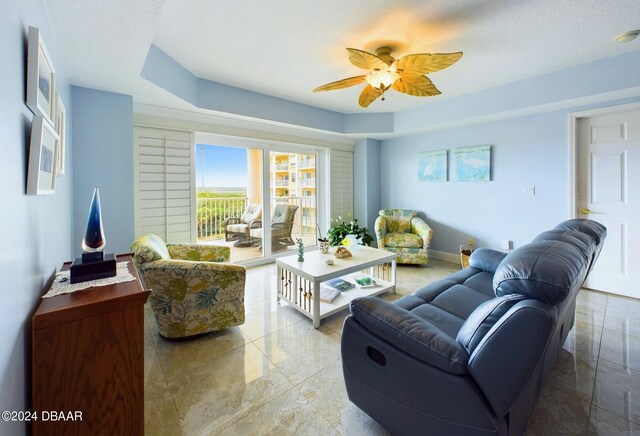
468 354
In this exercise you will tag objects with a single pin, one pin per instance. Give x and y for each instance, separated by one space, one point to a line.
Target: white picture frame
41 78
61 124
41 178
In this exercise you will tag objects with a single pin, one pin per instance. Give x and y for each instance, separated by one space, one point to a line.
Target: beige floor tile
573 376
212 396
583 341
289 414
603 423
617 390
624 303
590 312
621 348
268 316
160 415
558 413
335 321
623 321
594 297
175 356
300 351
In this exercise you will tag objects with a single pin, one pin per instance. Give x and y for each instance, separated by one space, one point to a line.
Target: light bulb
382 80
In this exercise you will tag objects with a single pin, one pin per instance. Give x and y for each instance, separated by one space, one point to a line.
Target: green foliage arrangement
339 230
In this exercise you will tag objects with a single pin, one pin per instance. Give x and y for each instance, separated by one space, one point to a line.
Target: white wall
527 151
35 231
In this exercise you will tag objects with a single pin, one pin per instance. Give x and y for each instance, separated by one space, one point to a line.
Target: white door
609 192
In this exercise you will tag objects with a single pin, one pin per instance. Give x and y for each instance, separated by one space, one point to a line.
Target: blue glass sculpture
94 240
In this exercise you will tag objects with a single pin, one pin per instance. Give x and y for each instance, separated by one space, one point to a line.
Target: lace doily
62 285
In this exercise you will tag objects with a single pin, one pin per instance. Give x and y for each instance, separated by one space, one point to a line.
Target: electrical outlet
471 242
507 245
529 191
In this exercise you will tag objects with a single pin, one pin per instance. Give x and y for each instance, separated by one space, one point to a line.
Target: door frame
574 117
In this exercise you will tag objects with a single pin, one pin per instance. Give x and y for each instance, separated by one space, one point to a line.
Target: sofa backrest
398 220
592 228
283 213
252 212
148 248
547 270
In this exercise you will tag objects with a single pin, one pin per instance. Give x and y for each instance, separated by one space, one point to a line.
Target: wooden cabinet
88 356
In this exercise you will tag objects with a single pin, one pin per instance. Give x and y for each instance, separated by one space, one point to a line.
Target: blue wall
35 231
366 182
103 158
527 151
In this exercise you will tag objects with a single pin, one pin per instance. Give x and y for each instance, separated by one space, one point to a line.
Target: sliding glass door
257 198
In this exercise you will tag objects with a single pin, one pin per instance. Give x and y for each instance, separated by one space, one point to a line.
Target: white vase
352 241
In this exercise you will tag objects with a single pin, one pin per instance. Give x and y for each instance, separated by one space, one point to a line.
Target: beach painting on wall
472 164
432 166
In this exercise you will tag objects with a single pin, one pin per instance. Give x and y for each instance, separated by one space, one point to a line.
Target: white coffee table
298 281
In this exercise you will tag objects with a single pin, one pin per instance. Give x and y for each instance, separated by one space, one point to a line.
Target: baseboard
443 255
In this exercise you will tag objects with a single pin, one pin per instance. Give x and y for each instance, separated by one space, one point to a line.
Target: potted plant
339 231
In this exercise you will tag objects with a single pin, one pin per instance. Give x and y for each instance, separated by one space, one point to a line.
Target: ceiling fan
406 75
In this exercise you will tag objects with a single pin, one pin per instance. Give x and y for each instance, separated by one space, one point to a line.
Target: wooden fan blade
366 60
424 63
339 84
420 86
368 95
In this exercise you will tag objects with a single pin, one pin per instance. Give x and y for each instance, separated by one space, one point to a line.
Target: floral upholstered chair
402 232
192 292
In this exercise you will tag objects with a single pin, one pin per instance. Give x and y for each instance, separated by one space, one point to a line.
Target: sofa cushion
445 321
253 212
579 239
483 318
149 248
460 300
542 270
237 228
403 240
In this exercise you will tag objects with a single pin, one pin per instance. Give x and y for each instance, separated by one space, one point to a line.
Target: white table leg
393 275
316 304
278 283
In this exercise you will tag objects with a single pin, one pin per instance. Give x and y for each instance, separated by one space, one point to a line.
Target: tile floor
276 375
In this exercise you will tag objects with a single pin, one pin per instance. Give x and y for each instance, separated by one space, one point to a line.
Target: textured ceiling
285 48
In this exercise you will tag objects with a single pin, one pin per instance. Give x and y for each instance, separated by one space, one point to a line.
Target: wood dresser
88 356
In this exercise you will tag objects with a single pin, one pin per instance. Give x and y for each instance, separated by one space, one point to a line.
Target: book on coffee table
340 284
327 295
365 282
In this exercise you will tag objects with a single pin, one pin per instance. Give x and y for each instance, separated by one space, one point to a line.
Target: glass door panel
293 198
229 199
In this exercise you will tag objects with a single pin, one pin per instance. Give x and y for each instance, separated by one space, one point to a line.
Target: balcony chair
237 228
192 292
282 217
402 232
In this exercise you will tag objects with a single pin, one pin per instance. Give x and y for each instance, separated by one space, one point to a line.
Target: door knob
586 211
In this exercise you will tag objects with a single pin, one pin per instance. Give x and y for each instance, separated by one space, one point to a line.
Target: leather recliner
468 354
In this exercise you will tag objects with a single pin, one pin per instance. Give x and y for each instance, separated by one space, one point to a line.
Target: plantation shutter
341 183
165 189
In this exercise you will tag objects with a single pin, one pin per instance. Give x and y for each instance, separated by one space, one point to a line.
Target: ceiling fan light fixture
382 80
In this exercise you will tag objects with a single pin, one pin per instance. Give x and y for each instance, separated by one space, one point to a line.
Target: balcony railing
282 167
212 212
307 183
307 163
281 183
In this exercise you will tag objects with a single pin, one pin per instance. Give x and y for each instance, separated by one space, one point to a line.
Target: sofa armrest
199 253
380 229
232 220
411 334
486 259
509 357
422 229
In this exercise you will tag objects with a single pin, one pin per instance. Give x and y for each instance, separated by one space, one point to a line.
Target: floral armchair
191 291
402 232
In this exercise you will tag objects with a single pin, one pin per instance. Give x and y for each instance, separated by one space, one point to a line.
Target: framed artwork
61 118
42 158
41 78
432 166
472 164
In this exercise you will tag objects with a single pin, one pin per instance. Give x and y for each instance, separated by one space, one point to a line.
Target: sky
221 166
